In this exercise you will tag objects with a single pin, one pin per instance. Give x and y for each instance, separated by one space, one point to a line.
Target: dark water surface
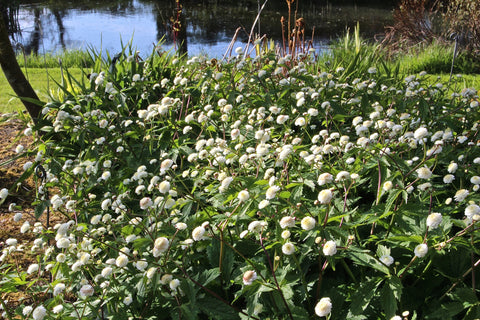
208 26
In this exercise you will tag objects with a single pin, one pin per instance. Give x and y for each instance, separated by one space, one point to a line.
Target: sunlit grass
40 81
68 59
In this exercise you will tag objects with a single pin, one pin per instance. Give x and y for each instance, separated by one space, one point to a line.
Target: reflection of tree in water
203 22
33 44
61 28
171 24
9 11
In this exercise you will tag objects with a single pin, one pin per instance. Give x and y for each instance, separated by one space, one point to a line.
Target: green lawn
41 82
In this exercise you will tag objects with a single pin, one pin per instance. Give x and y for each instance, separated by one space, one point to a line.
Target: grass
40 81
437 58
68 59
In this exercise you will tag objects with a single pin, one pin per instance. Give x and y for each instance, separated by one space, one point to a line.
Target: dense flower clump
253 189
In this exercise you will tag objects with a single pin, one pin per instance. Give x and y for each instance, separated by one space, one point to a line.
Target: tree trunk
14 74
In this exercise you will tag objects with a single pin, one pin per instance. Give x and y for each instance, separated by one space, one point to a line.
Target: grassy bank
41 81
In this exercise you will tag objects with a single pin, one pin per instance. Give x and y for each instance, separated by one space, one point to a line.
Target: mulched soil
23 195
11 135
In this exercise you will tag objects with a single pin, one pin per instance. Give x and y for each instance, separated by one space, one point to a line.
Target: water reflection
204 26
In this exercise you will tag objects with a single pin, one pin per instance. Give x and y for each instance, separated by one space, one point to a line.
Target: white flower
287 222
420 133
396 318
3 193
308 223
63 243
424 173
285 234
256 226
17 217
288 248
460 195
330 248
121 261
323 307
198 233
181 225
475 180
324 178
19 149
448 178
387 186
472 211
263 204
59 287
174 284
32 268
164 187
107 272
57 309
249 277
39 313
243 195
145 203
86 290
325 196
128 300
452 167
387 259
141 265
421 250
433 220
160 246
26 311
151 272
342 175
270 194
11 242
27 165
300 122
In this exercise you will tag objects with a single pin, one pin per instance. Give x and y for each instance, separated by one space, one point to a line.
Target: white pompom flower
323 307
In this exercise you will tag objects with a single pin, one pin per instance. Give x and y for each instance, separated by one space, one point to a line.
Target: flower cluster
249 194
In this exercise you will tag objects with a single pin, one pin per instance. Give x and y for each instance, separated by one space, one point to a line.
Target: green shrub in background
265 188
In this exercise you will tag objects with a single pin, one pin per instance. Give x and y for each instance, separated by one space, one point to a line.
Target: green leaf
208 276
284 194
465 295
389 302
396 286
41 207
363 296
216 309
365 258
473 313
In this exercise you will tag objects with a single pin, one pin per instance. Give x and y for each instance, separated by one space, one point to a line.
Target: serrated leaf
365 258
396 286
465 296
208 276
389 302
363 296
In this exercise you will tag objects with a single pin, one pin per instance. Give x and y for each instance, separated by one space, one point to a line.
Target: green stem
349 271
302 278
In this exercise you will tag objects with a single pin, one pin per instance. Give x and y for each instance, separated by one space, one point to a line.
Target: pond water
208 26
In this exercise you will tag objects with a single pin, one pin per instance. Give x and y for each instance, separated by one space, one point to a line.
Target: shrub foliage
262 188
